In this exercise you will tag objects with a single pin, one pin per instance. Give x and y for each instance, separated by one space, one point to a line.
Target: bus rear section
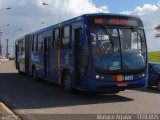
22 52
118 54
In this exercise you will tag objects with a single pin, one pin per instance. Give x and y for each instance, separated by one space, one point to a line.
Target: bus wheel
158 85
114 92
19 71
34 74
67 82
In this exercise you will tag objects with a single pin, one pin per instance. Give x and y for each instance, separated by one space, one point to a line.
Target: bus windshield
118 48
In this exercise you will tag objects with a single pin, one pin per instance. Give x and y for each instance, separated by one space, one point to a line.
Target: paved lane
30 98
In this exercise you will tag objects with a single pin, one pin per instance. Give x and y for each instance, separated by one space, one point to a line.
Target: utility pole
7 48
8 8
0 37
0 46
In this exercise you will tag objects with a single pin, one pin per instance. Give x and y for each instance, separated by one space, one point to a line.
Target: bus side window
35 43
22 49
66 40
53 40
40 42
32 41
19 43
18 46
57 38
23 44
49 44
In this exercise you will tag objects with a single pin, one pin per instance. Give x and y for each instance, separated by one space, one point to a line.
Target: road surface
43 100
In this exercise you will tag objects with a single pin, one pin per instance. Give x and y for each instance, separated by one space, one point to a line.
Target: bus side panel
53 68
36 60
39 64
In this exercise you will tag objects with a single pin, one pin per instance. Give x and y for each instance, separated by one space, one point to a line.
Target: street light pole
59 14
44 23
8 8
4 26
1 39
7 48
0 45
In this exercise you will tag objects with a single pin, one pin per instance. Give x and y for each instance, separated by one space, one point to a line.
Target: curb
8 115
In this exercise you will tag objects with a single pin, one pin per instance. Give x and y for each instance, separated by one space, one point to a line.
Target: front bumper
103 86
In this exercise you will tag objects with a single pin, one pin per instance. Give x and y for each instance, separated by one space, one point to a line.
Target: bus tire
19 71
158 85
67 85
34 73
115 92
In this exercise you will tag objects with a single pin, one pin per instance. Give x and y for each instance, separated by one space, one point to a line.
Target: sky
28 15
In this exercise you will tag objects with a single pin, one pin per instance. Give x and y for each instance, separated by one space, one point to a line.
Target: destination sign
115 21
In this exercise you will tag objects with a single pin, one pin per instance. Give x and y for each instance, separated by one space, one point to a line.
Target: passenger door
47 54
78 56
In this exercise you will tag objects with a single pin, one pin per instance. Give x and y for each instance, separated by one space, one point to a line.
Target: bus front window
115 49
105 48
133 49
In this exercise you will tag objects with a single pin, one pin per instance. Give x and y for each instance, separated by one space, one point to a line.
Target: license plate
122 84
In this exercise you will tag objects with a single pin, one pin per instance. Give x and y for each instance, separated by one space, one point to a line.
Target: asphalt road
43 100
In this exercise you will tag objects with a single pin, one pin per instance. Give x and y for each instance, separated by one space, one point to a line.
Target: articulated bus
91 53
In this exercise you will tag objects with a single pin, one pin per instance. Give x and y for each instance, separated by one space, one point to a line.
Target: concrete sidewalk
3 60
6 113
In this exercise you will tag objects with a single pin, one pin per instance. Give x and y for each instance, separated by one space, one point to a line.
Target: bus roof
110 14
81 17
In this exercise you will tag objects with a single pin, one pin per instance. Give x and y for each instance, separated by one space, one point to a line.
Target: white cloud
28 14
151 18
150 22
126 12
145 9
72 8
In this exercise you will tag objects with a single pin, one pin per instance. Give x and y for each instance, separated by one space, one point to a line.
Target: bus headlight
97 77
143 75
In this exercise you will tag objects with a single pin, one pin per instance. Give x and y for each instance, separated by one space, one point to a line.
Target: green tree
158 30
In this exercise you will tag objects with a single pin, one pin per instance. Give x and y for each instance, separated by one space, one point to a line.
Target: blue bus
92 53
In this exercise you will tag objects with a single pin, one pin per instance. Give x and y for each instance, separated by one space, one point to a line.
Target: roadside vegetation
158 31
154 56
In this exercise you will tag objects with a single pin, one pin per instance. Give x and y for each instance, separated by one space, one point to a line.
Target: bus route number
127 78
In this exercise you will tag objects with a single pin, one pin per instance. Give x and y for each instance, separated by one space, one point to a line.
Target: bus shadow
21 92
